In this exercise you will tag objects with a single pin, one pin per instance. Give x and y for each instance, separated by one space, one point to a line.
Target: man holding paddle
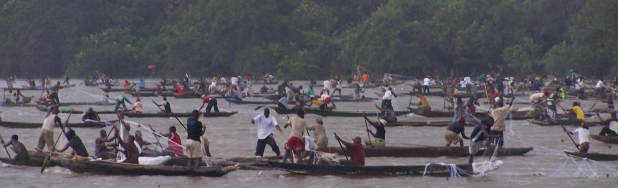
21 153
212 102
583 135
357 152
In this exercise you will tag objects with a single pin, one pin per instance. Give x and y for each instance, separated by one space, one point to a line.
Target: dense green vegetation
307 38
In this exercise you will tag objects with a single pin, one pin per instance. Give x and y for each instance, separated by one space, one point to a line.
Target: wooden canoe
280 110
561 122
129 89
18 104
424 124
514 115
606 139
146 115
37 159
594 156
347 113
82 103
454 151
410 170
189 96
151 94
23 125
45 109
114 168
254 102
245 163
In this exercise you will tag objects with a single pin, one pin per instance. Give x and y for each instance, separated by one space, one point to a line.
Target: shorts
326 101
476 146
451 137
295 143
500 141
583 147
194 149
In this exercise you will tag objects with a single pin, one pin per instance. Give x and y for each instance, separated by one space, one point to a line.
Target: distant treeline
302 39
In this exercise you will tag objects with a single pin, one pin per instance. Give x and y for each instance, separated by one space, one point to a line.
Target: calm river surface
545 166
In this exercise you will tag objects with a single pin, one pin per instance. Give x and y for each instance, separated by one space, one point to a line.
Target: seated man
76 143
609 125
130 150
174 144
380 134
356 149
423 103
166 106
389 114
137 107
100 148
20 150
90 116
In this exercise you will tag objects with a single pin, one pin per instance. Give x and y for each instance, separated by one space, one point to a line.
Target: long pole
7 151
563 128
183 125
342 150
158 142
367 126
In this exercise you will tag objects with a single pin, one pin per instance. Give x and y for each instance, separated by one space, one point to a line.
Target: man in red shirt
178 89
212 102
356 149
174 145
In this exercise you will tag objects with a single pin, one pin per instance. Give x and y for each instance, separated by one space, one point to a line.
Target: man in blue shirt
194 145
479 136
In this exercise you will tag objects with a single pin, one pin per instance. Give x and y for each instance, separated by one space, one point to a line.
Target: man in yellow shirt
423 104
579 113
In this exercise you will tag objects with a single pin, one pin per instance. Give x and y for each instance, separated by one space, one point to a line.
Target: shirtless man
18 148
100 149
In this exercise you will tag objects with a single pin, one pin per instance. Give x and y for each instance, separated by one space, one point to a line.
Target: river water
545 166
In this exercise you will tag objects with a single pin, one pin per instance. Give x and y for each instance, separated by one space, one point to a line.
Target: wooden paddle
157 137
46 161
7 151
565 131
342 150
183 125
366 126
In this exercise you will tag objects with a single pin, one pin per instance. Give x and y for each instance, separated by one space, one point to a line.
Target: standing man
66 81
266 127
295 142
327 86
212 102
356 149
583 136
387 98
498 128
426 82
120 101
47 130
194 146
21 153
365 78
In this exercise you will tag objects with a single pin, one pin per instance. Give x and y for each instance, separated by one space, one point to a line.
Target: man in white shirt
387 98
327 86
234 81
426 82
583 136
266 127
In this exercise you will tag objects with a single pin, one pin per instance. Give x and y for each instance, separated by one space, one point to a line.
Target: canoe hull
36 160
606 139
147 115
412 170
39 125
594 156
347 113
428 151
113 168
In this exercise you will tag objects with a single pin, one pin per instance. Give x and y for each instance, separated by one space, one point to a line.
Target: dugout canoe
18 104
355 113
454 151
253 102
114 168
151 94
443 123
24 125
189 95
245 163
130 89
265 83
606 139
147 115
409 170
98 103
37 159
594 156
280 110
45 109
514 115
561 122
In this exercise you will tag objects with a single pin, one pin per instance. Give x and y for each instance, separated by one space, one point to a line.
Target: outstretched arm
382 110
347 144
